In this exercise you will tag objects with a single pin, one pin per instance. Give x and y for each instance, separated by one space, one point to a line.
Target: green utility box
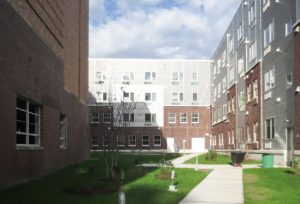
267 160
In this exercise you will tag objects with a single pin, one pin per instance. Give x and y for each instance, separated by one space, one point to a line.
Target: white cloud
145 29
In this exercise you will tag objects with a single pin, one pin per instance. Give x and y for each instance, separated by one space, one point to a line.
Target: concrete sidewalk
182 159
222 185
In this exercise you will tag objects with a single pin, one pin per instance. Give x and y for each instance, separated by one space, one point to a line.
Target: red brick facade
187 131
297 83
231 131
253 108
31 69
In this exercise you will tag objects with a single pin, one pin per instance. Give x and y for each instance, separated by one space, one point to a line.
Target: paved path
221 186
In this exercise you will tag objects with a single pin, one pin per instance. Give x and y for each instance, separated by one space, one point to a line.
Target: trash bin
237 158
267 160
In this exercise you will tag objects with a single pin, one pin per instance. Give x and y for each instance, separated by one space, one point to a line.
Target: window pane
33 108
147 117
153 117
125 117
21 115
21 139
153 96
21 104
33 140
147 75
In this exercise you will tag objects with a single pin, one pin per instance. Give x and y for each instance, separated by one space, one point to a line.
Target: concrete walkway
222 185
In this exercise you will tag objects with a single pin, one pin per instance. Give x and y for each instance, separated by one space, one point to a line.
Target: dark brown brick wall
253 107
187 131
30 69
297 83
221 128
63 27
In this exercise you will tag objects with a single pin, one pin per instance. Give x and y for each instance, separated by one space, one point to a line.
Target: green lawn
221 159
272 186
140 184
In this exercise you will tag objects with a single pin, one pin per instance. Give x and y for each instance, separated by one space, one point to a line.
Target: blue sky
173 29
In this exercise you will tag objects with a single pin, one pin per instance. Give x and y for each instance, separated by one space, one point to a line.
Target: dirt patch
250 178
163 175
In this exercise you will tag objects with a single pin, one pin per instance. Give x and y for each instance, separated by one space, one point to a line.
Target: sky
158 29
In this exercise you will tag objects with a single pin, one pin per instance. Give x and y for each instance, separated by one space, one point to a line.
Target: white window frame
63 131
195 76
155 140
252 13
152 117
171 117
269 34
195 97
146 140
183 118
255 89
255 130
272 128
95 118
106 118
121 140
128 76
195 118
249 95
101 76
252 51
177 76
269 78
150 76
131 140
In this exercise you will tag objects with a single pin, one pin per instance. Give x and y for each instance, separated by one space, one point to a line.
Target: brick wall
63 27
187 131
253 107
31 70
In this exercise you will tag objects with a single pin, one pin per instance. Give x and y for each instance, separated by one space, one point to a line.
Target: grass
221 159
272 186
140 184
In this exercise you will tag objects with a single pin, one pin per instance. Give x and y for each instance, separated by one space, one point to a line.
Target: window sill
63 148
18 147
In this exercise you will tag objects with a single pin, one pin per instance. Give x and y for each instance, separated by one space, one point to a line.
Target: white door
170 144
198 145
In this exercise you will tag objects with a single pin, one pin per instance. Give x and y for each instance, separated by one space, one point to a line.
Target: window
231 75
105 140
224 58
183 118
269 34
242 101
177 76
63 131
150 117
255 130
195 117
172 117
194 76
255 89
131 96
230 45
288 26
121 140
240 31
150 96
266 5
150 76
131 140
252 51
127 76
240 66
95 141
146 140
125 94
270 134
127 117
195 98
176 97
147 96
157 140
269 79
249 98
95 117
248 134
233 103
251 12
101 75
106 117
102 96
224 84
289 80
